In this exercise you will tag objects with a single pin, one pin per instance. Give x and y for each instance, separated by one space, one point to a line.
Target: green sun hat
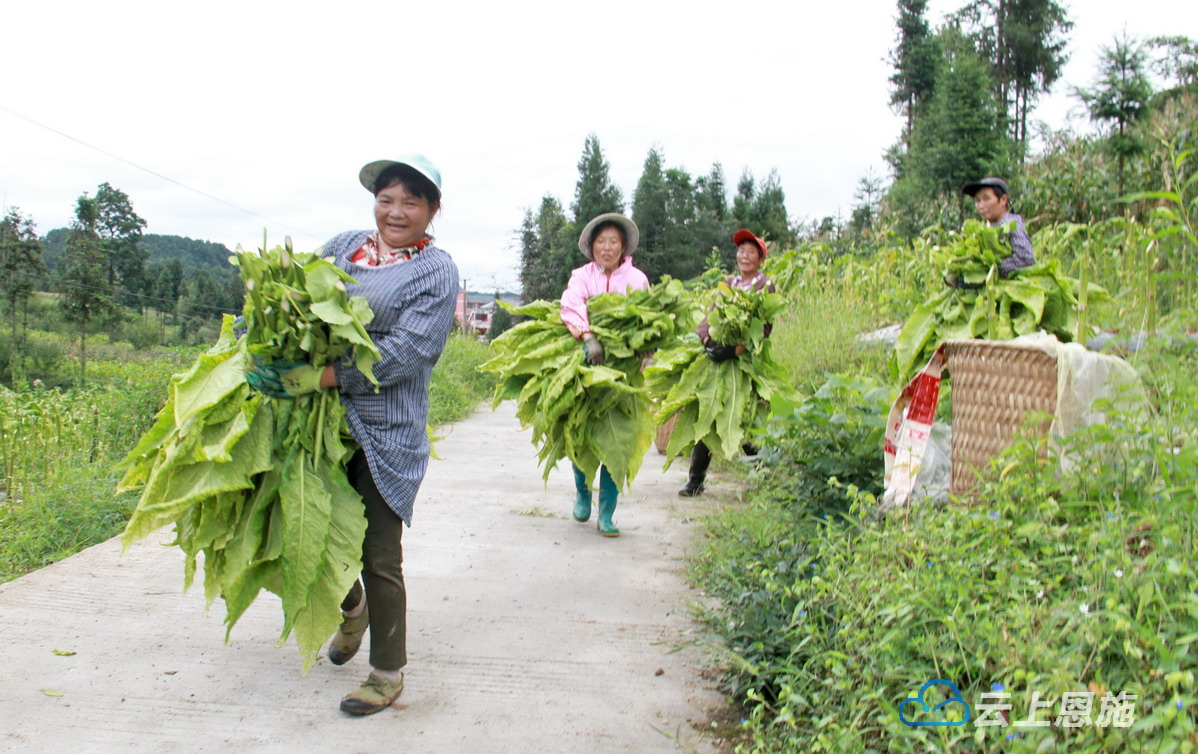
371 171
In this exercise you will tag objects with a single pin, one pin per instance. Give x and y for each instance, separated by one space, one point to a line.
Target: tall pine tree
712 222
1024 42
684 257
649 212
914 59
120 229
742 201
594 194
546 251
768 218
20 262
958 140
1120 97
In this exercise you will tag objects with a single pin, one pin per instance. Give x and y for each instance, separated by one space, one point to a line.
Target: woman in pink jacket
608 242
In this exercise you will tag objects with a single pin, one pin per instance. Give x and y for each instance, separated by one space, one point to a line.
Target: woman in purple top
750 252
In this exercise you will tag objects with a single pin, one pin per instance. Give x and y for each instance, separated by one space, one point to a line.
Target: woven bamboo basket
995 385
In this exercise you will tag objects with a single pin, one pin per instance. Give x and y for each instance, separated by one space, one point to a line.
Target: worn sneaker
345 643
375 695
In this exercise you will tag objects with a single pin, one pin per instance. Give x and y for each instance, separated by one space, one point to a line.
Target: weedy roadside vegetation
1050 583
1082 581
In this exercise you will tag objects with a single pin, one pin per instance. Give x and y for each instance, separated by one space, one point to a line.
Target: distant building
474 310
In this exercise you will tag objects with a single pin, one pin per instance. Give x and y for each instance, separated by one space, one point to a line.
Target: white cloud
273 108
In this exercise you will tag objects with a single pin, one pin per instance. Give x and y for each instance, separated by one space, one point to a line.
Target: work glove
299 379
593 349
265 379
953 281
284 379
717 352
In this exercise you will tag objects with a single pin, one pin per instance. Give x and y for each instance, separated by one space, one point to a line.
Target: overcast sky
273 107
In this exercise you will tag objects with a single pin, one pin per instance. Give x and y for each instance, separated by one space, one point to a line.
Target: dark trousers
382 573
700 460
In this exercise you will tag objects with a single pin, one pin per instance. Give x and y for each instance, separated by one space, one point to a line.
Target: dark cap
998 184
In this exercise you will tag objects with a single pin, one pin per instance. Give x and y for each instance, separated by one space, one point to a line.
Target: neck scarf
372 255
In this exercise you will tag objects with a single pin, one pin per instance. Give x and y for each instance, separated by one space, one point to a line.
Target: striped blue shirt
413 305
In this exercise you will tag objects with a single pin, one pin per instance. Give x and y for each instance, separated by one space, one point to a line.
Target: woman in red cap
750 252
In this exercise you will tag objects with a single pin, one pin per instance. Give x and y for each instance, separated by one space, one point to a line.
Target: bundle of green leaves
591 415
1039 297
718 402
258 484
640 322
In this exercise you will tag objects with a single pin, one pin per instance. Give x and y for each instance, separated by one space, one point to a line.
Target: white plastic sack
1085 377
908 431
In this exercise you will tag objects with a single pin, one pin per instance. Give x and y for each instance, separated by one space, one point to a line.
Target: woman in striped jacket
411 286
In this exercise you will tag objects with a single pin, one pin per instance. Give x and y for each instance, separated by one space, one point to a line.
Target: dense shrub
44 356
1053 583
142 333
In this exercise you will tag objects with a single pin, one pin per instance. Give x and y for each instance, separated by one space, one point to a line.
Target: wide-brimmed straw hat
744 234
369 174
632 235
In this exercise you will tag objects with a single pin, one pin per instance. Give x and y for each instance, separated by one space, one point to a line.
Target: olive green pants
382 573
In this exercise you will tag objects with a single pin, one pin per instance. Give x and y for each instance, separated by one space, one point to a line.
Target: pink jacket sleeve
589 280
574 303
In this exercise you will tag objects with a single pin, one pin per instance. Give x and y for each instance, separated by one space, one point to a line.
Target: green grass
1071 582
457 387
71 512
817 337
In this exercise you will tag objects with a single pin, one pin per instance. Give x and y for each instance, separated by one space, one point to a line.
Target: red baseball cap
744 234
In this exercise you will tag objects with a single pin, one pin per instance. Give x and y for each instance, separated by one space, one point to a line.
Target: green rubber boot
582 503
608 492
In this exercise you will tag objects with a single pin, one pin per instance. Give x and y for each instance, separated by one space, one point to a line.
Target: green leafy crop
1039 297
591 415
254 483
717 403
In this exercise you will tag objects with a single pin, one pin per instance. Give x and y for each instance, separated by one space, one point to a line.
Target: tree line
685 222
965 90
104 266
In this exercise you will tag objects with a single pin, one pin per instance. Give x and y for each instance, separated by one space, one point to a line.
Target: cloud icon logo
954 698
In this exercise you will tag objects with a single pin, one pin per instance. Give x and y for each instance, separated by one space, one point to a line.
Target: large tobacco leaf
717 403
1039 297
257 485
590 415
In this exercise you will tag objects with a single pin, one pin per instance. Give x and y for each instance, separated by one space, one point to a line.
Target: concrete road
528 632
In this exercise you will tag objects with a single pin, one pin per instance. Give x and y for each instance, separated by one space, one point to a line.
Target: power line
154 173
